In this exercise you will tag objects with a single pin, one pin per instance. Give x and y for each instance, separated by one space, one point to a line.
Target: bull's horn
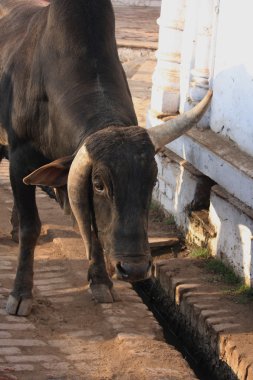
162 134
78 192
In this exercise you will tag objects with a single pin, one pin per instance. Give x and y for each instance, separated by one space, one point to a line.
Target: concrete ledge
219 159
205 320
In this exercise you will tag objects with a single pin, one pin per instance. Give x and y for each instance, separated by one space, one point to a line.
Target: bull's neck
82 72
85 22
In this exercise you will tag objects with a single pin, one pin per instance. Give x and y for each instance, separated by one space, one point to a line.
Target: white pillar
201 70
202 62
188 51
166 78
185 57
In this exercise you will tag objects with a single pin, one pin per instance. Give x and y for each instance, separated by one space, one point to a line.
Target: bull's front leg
20 299
100 283
15 224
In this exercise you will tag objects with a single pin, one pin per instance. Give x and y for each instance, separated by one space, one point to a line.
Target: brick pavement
137 40
68 336
137 27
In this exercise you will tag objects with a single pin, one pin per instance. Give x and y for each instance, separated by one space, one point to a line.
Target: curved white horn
78 192
162 134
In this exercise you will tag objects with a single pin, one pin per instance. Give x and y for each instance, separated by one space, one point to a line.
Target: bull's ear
54 174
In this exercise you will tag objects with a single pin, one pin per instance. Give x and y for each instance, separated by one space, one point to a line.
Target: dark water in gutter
146 290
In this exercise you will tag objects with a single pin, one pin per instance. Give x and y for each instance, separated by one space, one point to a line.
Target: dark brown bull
67 114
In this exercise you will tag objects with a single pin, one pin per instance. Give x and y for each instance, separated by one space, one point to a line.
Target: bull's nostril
121 270
133 271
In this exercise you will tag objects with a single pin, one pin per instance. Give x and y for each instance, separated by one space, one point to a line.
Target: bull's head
110 182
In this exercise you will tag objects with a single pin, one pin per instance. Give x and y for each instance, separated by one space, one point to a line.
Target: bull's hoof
19 306
103 294
115 296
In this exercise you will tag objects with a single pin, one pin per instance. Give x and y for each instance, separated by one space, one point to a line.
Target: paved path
137 26
68 336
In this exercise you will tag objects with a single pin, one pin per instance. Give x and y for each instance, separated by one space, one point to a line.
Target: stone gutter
203 320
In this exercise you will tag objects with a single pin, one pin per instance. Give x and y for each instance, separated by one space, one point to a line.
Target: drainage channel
151 296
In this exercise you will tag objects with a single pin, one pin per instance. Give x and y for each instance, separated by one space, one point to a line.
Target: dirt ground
68 336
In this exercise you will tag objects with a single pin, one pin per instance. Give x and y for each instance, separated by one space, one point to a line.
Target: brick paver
137 27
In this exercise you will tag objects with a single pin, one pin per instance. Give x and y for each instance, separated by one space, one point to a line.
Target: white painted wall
215 48
232 105
234 226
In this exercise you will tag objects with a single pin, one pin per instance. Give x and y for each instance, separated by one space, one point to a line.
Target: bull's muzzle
133 272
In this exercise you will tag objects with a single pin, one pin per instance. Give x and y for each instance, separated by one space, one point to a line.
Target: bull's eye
98 186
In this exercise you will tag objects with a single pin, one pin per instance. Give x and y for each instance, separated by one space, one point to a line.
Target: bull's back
60 73
15 16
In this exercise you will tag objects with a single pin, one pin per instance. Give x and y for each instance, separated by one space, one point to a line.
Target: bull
66 113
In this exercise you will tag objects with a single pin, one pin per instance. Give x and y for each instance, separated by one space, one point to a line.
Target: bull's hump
9 8
15 17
